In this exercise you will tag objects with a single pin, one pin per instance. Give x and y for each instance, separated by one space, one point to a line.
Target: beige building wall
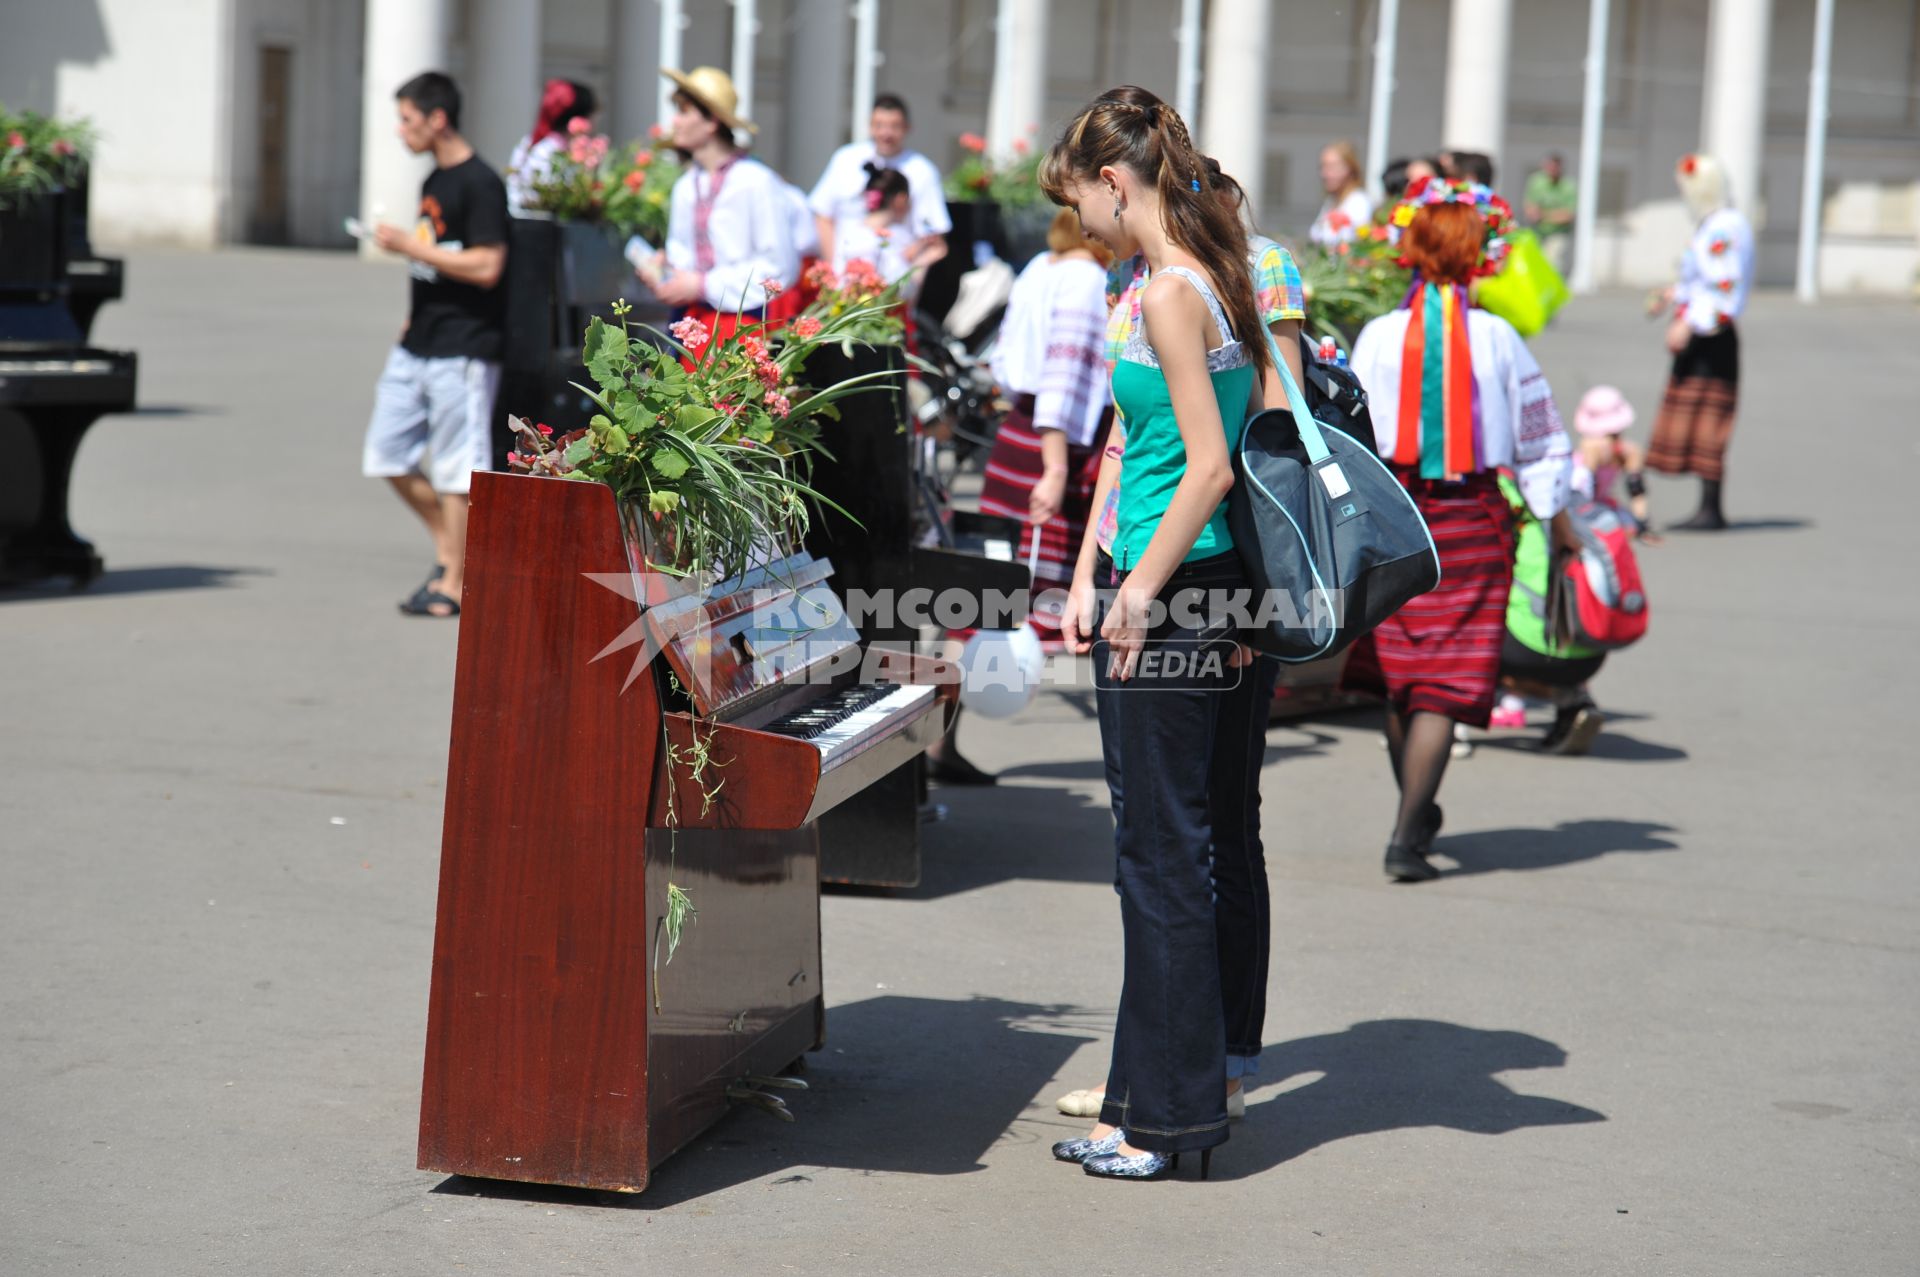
174 87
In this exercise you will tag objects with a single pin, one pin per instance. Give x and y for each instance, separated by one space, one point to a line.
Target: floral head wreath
1429 192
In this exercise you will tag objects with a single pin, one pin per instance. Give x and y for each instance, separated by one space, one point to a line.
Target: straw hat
713 88
1602 411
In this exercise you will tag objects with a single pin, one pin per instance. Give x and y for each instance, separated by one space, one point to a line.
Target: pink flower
806 326
973 142
726 407
578 124
754 345
778 404
643 159
657 131
1021 146
691 333
820 276
62 147
635 179
768 372
16 139
773 286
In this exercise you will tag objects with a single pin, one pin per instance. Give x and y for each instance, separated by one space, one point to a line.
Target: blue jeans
1160 735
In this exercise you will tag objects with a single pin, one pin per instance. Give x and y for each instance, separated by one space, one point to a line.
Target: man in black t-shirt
435 397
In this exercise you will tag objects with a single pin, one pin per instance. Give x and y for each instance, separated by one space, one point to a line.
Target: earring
1116 210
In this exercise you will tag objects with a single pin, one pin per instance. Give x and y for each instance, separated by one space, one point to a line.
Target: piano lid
737 645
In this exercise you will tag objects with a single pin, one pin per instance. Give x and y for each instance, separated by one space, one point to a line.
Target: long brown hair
1130 128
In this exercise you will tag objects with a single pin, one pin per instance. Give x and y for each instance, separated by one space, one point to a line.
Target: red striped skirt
1013 471
1695 424
1441 652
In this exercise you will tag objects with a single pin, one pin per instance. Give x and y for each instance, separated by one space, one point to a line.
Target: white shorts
442 406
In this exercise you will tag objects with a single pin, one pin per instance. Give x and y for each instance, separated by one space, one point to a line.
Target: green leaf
578 451
693 417
616 438
668 463
663 502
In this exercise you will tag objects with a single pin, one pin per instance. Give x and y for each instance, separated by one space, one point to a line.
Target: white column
501 87
746 27
672 23
866 59
1593 136
1233 93
1733 111
1186 90
403 38
818 63
1019 99
1386 41
1814 175
1479 34
636 79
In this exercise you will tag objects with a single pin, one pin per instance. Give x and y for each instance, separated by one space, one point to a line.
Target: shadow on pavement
1387 1075
1495 850
988 837
179 576
1611 745
898 1089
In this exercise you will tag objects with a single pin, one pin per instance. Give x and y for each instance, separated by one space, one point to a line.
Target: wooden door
269 221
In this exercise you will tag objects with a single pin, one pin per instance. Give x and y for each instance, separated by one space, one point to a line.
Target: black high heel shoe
1141 1166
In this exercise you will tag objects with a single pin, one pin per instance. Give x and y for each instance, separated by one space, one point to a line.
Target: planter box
33 245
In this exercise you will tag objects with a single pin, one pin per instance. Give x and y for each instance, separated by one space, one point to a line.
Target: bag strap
1303 420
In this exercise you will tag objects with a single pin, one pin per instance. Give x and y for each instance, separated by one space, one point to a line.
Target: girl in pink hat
1604 455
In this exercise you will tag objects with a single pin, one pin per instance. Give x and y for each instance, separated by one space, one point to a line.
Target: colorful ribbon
1436 386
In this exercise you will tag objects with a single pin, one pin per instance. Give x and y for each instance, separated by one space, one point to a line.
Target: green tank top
1156 458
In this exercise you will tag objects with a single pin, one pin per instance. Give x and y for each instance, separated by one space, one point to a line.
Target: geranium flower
820 276
642 159
62 147
778 404
579 124
690 332
634 179
973 142
806 327
16 140
1338 221
773 286
544 428
1021 146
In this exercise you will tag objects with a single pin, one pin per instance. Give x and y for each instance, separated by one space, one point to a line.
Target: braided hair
1131 128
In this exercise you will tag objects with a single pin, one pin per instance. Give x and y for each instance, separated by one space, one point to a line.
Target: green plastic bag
1527 290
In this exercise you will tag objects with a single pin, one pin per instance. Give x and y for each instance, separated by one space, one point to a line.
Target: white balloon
1002 671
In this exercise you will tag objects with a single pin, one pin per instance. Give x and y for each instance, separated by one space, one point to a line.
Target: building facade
270 121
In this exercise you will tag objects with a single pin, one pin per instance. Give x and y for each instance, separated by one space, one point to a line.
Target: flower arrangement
1352 283
861 306
712 432
39 153
627 188
1012 182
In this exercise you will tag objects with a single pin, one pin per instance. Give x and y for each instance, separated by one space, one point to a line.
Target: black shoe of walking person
1407 864
1574 729
1708 518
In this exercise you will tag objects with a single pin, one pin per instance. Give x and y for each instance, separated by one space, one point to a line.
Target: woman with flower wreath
566 112
1696 417
1456 397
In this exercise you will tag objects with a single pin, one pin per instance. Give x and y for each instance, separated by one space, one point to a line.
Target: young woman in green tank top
1186 384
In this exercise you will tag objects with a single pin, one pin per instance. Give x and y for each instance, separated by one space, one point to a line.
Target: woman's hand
1659 301
1679 333
1044 502
1125 631
1076 622
1563 535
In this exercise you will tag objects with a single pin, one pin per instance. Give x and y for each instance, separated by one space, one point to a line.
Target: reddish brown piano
561 1049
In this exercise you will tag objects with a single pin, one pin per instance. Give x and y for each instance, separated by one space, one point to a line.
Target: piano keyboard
842 724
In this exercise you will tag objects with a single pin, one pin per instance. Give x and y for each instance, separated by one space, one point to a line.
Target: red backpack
1598 600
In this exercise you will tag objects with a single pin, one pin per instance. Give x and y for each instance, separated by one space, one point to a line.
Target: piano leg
873 839
36 541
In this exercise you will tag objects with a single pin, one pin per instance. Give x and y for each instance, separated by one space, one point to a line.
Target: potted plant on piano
39 155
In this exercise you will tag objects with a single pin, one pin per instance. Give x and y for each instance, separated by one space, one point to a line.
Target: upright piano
614 732
53 387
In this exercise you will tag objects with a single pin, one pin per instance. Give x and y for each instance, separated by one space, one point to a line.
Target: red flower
643 159
579 124
16 139
820 276
973 142
1338 221
544 428
1021 146
62 147
634 179
1688 164
806 326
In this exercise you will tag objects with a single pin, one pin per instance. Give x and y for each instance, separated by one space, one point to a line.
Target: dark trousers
1160 734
